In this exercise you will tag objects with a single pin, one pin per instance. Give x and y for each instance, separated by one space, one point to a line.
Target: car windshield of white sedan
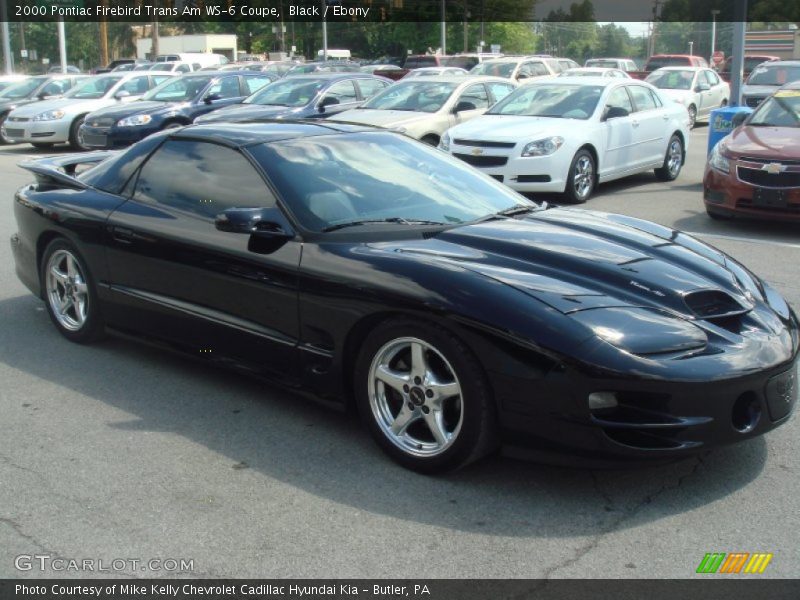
774 75
498 69
94 88
562 101
671 80
180 89
781 110
417 96
287 92
332 182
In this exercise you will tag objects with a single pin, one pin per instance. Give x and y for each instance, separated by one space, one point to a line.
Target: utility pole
104 37
739 27
444 32
6 39
62 45
466 27
652 48
714 14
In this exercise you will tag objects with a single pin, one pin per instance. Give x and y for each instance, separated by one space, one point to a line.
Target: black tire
692 116
470 414
42 145
4 140
431 140
75 134
91 327
580 194
171 125
717 216
673 160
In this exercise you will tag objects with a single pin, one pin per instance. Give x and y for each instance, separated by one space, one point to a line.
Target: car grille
754 174
482 161
103 122
789 209
15 133
482 144
91 139
18 119
753 102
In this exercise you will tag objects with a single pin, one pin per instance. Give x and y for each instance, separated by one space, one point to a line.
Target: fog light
600 400
746 413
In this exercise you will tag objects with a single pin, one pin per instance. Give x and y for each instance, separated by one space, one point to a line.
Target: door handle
122 235
635 123
665 117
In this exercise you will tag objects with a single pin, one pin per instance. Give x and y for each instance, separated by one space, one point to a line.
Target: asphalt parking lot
119 451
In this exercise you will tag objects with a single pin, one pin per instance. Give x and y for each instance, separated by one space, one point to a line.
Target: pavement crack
17 528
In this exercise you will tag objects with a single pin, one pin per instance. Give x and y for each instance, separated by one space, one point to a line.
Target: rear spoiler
61 170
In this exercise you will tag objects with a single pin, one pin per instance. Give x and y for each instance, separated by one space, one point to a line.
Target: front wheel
42 145
70 295
692 116
581 178
423 396
673 161
76 135
4 139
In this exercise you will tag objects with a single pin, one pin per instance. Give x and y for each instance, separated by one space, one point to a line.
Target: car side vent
713 304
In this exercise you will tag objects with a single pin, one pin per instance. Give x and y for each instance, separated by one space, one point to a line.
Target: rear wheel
581 179
424 397
70 294
673 161
431 140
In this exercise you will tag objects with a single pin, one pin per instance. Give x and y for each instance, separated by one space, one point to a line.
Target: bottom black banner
712 588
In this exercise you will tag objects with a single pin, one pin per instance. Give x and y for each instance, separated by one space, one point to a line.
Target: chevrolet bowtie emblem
476 151
774 168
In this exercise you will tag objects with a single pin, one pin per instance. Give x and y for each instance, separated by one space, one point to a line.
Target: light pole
6 40
62 45
691 47
714 14
444 32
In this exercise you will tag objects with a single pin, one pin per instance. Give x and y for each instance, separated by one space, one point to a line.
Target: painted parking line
749 240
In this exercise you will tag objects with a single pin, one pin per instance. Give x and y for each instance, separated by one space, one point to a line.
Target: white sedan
568 134
699 89
594 72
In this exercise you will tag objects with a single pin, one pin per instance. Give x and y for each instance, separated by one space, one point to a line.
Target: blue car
176 102
312 96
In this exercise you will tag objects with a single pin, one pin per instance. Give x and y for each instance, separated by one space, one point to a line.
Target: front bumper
727 195
523 174
111 138
44 132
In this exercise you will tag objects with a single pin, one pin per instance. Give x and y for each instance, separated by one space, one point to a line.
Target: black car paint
296 315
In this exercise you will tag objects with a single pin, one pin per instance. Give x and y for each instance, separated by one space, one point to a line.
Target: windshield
94 87
462 62
498 69
671 80
22 89
417 96
780 110
582 73
178 89
666 61
774 75
330 180
565 101
287 92
601 62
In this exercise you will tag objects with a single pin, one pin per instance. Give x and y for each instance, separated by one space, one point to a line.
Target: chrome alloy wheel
67 291
415 397
674 158
583 177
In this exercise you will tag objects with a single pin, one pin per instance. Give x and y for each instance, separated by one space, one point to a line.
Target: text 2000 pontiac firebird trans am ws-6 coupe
363 266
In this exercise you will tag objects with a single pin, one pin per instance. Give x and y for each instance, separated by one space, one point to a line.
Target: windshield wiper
398 220
517 209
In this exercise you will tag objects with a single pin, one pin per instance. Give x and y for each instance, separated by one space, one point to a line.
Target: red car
658 61
755 171
751 61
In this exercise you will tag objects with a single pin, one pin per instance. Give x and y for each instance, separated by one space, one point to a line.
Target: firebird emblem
476 151
774 168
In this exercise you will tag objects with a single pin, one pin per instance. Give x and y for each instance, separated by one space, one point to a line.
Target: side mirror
522 76
615 112
702 87
462 106
122 94
209 98
268 227
739 118
327 101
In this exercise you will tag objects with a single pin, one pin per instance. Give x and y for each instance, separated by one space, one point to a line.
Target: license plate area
781 393
768 198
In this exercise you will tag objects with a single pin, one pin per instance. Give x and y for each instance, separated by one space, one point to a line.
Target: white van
204 59
334 54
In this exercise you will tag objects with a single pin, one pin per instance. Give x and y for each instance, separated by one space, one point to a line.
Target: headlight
134 121
543 147
444 142
718 161
642 331
50 115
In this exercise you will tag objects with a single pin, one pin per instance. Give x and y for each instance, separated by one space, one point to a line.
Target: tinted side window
540 69
712 78
54 88
370 87
227 87
136 86
642 98
619 98
475 95
656 99
201 178
343 91
500 90
253 84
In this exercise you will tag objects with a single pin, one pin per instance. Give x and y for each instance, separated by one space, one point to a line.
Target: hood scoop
714 304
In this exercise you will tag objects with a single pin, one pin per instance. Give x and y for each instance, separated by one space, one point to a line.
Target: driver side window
343 91
475 95
619 98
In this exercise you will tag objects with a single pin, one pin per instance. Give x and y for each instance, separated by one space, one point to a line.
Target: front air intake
710 304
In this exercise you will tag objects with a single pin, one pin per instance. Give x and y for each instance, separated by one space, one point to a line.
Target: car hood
120 111
382 118
764 142
69 105
507 127
575 260
759 90
12 104
245 112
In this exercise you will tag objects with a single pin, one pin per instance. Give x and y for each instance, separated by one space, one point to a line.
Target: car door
619 153
474 95
221 92
649 126
719 89
181 280
339 97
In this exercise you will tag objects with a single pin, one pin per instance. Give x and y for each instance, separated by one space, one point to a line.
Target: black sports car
359 264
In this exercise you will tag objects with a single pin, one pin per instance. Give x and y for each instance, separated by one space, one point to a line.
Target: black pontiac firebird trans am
354 263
